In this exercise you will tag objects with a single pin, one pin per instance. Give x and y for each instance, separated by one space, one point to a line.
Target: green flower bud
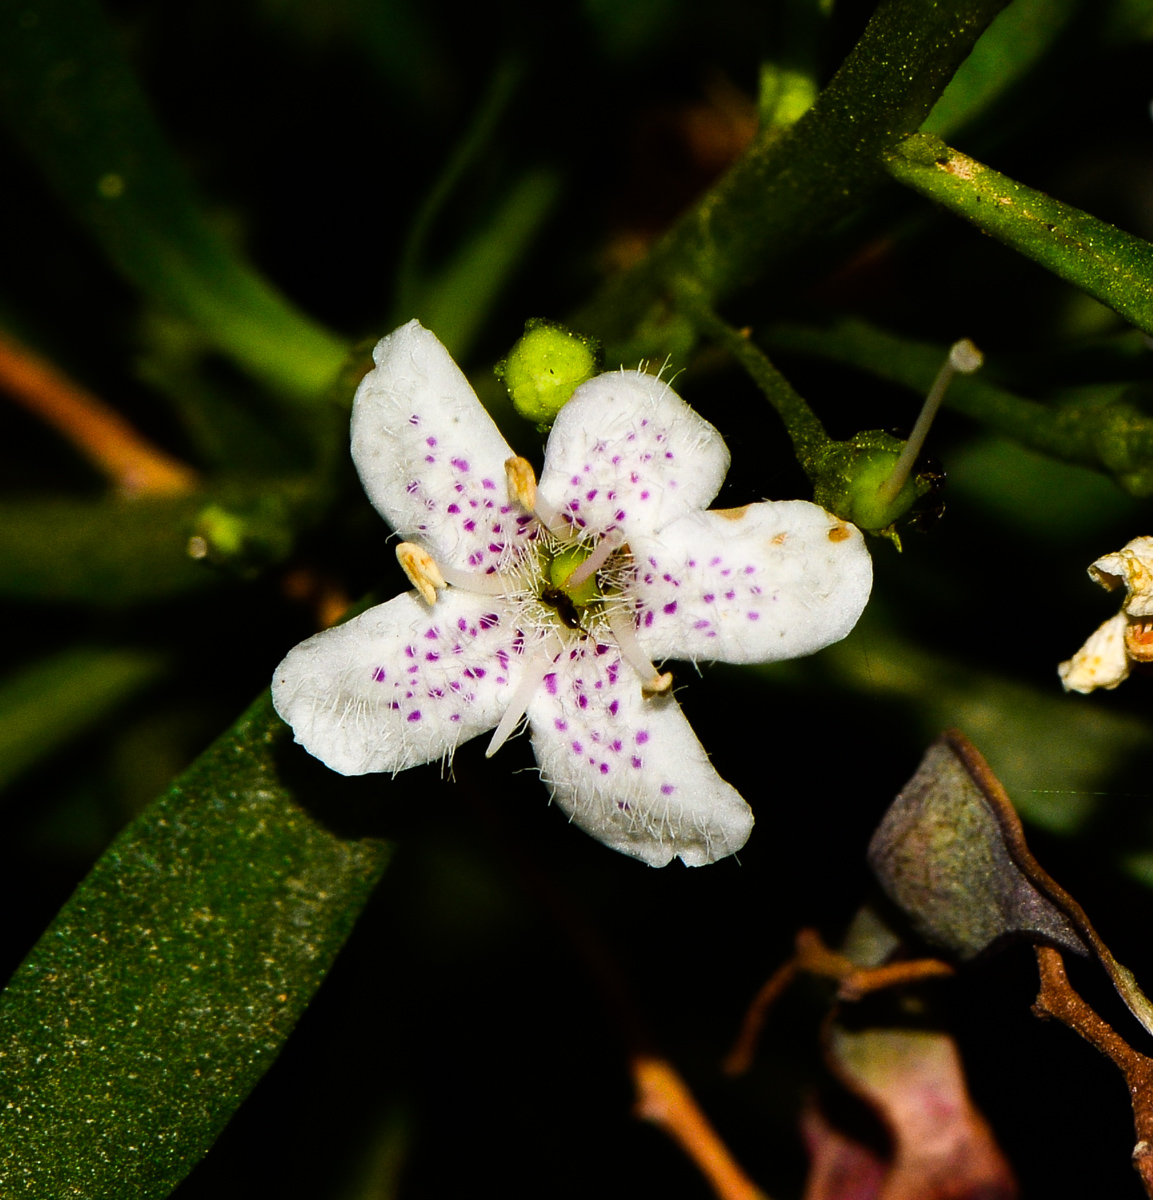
545 367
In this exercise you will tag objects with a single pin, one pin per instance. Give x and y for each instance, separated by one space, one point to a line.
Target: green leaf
168 983
1009 49
45 705
69 94
787 190
455 303
100 552
1113 266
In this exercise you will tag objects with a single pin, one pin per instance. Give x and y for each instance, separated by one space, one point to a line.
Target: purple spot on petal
409 652
749 570
454 508
754 616
487 484
616 745
461 464
431 656
648 618
414 419
644 495
561 725
430 441
671 608
667 789
414 715
642 737
701 625
428 458
379 675
708 597
488 621
470 524
455 717
431 634
637 762
550 683
582 701
591 495
577 748
614 706
604 768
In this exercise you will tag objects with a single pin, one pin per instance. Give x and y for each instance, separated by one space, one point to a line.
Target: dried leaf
942 855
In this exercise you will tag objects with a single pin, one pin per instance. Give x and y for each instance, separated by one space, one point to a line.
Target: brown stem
664 1099
1058 999
133 464
815 958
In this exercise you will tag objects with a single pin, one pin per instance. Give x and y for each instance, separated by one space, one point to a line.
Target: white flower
1105 659
552 600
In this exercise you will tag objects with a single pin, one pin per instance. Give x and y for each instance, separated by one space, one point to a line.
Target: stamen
521 482
421 569
535 671
965 358
522 488
495 584
621 623
595 560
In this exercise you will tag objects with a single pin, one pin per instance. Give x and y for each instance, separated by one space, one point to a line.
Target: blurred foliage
211 212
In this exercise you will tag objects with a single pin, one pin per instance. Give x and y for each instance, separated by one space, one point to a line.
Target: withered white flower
552 600
1106 658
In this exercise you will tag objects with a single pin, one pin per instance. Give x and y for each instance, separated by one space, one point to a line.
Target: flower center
564 566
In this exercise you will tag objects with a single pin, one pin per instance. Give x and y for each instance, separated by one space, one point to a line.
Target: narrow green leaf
1008 50
455 304
788 189
48 703
1113 266
99 552
68 93
168 983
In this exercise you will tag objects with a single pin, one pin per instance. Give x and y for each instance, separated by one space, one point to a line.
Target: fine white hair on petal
758 584
1101 662
401 684
626 451
431 459
1131 566
630 771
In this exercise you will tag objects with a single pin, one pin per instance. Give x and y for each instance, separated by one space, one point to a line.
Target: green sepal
545 366
847 477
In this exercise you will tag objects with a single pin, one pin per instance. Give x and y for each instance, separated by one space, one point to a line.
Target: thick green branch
1113 266
786 190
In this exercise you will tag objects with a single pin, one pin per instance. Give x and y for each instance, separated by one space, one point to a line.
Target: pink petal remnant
494 637
943 1148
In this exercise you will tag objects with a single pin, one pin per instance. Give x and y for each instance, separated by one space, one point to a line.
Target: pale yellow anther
657 686
421 569
521 482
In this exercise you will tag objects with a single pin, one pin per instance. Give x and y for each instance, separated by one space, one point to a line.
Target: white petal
630 771
626 450
758 584
1132 566
1101 662
401 684
430 457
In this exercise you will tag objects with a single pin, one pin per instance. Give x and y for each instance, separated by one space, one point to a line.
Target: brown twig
133 464
815 958
1058 999
664 1099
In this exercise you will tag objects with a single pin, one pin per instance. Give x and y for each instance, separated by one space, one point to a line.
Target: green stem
1113 266
808 435
788 189
1114 436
